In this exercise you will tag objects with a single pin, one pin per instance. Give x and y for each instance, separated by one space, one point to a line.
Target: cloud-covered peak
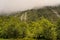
19 5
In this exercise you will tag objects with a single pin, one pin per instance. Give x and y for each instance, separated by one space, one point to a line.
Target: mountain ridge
50 13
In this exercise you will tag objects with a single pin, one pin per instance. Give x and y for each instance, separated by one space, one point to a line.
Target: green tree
42 29
58 29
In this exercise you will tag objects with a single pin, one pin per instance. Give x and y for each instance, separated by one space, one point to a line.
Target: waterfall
24 17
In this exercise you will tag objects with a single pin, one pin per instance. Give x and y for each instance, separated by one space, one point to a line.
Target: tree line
12 27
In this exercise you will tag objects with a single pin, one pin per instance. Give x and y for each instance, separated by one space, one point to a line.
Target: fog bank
20 5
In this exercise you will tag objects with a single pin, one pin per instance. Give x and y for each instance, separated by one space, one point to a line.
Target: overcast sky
18 5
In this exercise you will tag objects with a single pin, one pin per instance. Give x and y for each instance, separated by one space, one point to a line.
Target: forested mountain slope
34 24
51 13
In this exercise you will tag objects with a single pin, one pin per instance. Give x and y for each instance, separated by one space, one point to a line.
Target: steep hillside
34 24
50 13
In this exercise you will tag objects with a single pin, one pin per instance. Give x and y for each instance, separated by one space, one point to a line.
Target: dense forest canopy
34 24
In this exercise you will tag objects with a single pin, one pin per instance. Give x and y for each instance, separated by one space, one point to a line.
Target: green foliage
35 27
40 29
58 29
44 28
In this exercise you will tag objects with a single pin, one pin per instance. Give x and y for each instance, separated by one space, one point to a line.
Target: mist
21 5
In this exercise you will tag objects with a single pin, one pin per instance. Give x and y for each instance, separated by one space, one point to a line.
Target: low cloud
21 5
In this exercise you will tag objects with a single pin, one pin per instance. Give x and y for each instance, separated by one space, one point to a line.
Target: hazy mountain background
30 19
51 13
